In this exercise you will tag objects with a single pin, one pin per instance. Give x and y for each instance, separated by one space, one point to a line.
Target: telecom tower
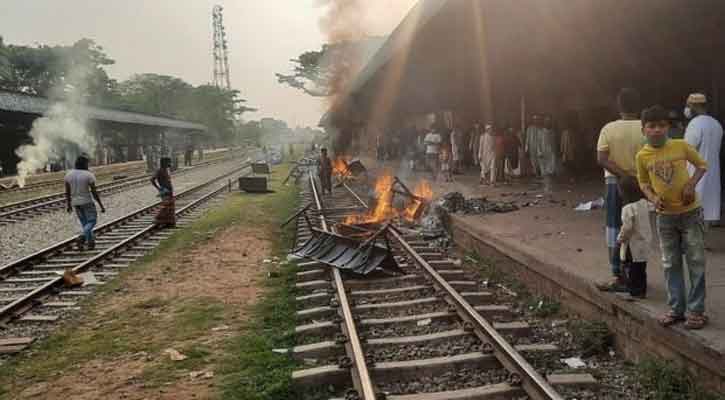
221 59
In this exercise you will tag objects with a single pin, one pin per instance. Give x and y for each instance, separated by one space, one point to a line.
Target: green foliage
592 337
51 71
665 381
323 72
251 133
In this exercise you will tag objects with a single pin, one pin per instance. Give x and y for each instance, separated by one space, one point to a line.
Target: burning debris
386 187
455 202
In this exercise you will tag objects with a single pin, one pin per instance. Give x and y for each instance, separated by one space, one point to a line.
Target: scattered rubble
455 202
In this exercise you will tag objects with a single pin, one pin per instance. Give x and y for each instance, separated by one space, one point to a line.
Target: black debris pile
454 202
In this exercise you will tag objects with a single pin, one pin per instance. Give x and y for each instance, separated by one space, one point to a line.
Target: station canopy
484 56
34 105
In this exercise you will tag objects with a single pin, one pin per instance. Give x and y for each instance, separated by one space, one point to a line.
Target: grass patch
592 337
167 371
152 324
665 381
252 371
194 318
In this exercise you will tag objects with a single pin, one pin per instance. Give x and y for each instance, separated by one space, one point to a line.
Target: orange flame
424 194
384 210
339 167
384 207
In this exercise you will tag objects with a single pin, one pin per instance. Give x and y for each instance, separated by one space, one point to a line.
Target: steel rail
535 385
53 200
40 255
362 380
26 302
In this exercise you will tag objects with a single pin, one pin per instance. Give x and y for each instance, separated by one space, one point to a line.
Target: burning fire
424 194
384 207
384 210
339 167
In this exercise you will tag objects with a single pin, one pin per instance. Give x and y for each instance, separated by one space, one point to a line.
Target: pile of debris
454 202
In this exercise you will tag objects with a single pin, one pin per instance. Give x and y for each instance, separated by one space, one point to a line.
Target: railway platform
559 252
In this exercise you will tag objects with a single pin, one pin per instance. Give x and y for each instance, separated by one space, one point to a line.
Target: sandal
695 321
670 319
615 285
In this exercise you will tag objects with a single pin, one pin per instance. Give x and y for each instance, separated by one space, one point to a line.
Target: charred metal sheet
347 254
356 168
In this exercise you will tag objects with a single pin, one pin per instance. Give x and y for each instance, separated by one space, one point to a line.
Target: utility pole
221 57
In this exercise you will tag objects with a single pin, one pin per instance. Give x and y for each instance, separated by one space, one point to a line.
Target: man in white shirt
432 143
455 150
704 133
80 190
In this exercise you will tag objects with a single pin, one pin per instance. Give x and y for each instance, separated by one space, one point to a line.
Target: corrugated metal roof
18 102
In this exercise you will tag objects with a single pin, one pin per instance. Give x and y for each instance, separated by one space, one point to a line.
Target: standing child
635 237
663 177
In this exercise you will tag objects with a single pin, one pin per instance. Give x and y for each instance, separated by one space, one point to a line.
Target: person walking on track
162 182
80 191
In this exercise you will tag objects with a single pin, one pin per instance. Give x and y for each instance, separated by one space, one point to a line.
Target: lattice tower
221 57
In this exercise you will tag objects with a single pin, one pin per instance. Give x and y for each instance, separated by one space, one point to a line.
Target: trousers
87 216
683 235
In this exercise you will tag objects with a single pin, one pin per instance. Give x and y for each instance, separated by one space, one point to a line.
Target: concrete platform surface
568 248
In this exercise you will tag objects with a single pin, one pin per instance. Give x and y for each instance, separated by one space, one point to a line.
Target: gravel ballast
24 238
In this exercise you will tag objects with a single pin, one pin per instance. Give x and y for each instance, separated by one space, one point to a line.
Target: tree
4 61
155 94
325 72
251 132
217 108
56 70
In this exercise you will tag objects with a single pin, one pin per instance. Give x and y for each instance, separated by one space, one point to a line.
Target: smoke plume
360 24
61 132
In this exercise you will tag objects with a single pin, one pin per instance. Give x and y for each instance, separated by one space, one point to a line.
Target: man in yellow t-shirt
619 142
664 179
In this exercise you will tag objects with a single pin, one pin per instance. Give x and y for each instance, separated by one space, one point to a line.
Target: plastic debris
220 328
590 205
424 322
174 355
574 362
89 278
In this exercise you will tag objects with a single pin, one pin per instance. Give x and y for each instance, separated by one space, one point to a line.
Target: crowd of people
500 152
662 183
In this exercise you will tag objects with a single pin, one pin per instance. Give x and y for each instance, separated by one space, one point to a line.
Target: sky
174 37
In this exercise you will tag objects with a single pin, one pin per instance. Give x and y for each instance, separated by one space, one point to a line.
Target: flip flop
670 319
696 321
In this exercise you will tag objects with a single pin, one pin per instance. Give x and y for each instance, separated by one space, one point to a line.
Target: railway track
28 209
431 333
32 295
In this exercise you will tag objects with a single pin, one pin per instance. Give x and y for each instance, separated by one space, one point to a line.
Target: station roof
36 105
454 54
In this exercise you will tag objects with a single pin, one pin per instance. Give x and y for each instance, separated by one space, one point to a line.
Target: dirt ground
225 268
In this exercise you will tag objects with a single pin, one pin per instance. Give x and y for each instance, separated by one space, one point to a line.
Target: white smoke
61 132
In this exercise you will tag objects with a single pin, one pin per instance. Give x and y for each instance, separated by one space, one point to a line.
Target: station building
120 136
